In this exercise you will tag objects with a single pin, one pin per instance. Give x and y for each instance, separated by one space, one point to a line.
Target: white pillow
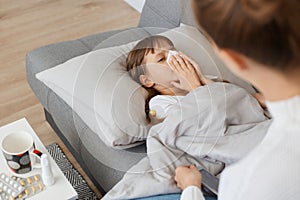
98 88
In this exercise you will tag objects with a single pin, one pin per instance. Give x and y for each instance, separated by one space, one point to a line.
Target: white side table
61 189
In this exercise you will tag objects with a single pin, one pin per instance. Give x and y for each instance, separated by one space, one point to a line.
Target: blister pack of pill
9 187
32 186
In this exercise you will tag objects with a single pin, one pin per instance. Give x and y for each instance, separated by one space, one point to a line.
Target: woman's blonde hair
135 62
267 31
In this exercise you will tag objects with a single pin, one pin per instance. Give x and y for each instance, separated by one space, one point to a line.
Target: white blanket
212 127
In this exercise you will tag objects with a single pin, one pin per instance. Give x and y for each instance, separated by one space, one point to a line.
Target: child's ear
146 81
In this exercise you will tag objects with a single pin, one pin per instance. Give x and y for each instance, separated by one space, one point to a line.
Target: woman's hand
188 73
187 176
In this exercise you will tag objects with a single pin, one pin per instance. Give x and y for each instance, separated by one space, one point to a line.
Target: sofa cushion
98 88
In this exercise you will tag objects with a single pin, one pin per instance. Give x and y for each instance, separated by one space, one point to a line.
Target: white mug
19 151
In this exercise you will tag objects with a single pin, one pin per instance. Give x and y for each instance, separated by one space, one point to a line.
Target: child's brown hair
135 62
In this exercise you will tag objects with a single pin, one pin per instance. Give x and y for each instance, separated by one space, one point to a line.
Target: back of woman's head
267 31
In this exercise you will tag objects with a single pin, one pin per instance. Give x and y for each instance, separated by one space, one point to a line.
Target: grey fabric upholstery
106 165
113 38
167 13
160 13
187 16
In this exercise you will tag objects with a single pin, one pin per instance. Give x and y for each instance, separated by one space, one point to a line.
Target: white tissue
171 53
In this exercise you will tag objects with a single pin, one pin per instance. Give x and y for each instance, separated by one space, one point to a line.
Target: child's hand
203 79
187 74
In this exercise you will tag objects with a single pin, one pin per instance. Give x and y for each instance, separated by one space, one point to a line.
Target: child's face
159 71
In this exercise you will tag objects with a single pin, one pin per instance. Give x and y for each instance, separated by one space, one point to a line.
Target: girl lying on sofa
166 74
208 124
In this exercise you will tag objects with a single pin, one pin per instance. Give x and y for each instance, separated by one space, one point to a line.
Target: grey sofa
100 162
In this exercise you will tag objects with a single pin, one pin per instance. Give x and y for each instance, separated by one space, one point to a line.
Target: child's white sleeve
162 104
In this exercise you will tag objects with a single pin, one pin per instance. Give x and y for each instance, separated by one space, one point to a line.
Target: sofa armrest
47 57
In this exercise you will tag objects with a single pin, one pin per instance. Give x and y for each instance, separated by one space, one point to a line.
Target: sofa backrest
166 13
187 16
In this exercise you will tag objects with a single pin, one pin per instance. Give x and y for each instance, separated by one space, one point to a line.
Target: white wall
136 4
